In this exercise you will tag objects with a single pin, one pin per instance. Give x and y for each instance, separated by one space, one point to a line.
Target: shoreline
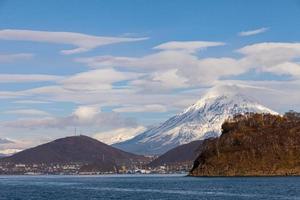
144 175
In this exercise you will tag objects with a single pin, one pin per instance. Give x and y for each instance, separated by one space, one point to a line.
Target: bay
135 187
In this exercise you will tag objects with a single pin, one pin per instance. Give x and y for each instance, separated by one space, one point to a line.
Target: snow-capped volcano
199 121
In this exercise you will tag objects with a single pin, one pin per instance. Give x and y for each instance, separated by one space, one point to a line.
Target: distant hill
183 154
3 155
253 145
76 149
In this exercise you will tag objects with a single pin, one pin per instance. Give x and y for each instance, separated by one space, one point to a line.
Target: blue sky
126 65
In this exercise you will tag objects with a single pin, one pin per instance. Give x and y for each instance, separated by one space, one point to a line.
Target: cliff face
253 145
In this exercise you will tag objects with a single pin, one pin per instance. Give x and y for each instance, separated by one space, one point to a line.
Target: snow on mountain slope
199 121
118 135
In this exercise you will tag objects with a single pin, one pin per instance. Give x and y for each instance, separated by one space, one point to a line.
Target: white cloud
190 46
168 70
83 42
160 77
15 57
209 70
19 78
167 80
142 108
31 102
111 97
171 55
15 146
253 32
105 61
5 141
286 68
171 69
284 50
118 135
279 95
83 116
160 60
171 62
27 112
165 71
87 119
277 58
86 112
11 94
8 152
160 81
96 79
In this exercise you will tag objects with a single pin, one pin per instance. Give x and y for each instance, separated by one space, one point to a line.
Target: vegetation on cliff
253 145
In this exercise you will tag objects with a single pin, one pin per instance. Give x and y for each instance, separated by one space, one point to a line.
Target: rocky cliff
253 145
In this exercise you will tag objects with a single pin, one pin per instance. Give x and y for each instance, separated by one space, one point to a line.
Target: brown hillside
253 145
183 154
75 149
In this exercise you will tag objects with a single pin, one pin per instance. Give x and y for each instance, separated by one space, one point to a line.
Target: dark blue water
146 187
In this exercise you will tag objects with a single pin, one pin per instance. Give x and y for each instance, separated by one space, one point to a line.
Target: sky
112 69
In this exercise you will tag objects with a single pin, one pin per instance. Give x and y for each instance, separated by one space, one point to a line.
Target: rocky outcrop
253 145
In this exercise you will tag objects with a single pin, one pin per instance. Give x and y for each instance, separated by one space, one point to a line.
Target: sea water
132 187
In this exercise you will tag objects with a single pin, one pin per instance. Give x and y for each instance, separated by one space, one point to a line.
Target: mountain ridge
200 121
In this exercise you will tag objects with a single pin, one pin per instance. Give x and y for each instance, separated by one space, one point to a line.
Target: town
78 169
